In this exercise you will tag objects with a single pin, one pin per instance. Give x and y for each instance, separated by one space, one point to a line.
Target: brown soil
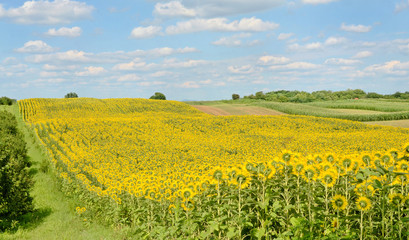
227 110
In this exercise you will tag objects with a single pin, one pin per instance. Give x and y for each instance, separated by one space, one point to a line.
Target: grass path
55 216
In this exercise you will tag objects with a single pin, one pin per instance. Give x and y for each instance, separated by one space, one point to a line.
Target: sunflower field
163 170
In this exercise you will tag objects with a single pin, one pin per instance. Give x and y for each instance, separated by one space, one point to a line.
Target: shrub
15 181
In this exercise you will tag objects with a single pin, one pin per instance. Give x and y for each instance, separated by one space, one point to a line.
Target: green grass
356 110
54 216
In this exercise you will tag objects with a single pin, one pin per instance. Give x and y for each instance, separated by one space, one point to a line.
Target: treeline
15 181
324 95
7 101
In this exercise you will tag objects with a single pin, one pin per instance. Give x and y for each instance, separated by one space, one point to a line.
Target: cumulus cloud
285 36
173 9
335 40
401 6
306 47
189 84
317 1
64 32
136 64
221 25
235 41
341 61
146 32
355 28
390 68
129 78
68 56
246 69
363 54
91 71
273 60
48 13
217 8
295 66
37 46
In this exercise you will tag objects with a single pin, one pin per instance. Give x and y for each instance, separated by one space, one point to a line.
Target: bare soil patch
211 110
227 110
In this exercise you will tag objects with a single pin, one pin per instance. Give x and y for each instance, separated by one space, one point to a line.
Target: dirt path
227 110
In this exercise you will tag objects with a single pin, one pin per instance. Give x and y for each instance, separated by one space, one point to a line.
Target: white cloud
342 61
235 41
37 46
306 47
146 32
273 60
295 66
246 69
285 36
355 28
317 1
91 71
390 68
335 41
173 9
363 54
217 8
189 84
136 64
64 32
401 6
162 74
173 63
129 78
221 25
48 13
68 56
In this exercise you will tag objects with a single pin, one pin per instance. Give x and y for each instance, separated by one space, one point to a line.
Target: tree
6 101
71 95
158 96
235 96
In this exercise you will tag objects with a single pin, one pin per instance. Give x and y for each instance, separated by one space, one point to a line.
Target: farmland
167 170
363 110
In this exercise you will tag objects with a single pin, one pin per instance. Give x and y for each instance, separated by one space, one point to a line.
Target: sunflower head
339 202
330 158
366 159
363 204
218 174
396 199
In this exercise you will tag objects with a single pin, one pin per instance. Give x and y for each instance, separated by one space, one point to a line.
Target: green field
364 110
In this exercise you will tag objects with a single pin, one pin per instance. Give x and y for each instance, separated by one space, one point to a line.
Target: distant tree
373 95
6 101
158 96
71 95
235 96
260 95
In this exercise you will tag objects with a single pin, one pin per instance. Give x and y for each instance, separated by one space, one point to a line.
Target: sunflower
363 204
396 199
218 173
187 193
339 202
329 177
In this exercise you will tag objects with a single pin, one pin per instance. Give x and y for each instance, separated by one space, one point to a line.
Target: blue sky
201 50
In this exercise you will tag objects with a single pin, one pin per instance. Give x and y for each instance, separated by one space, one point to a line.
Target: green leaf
231 233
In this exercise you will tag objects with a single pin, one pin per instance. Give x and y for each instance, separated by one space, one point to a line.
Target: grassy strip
54 216
365 104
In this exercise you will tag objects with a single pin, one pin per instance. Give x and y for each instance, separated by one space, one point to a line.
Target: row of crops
383 110
164 170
